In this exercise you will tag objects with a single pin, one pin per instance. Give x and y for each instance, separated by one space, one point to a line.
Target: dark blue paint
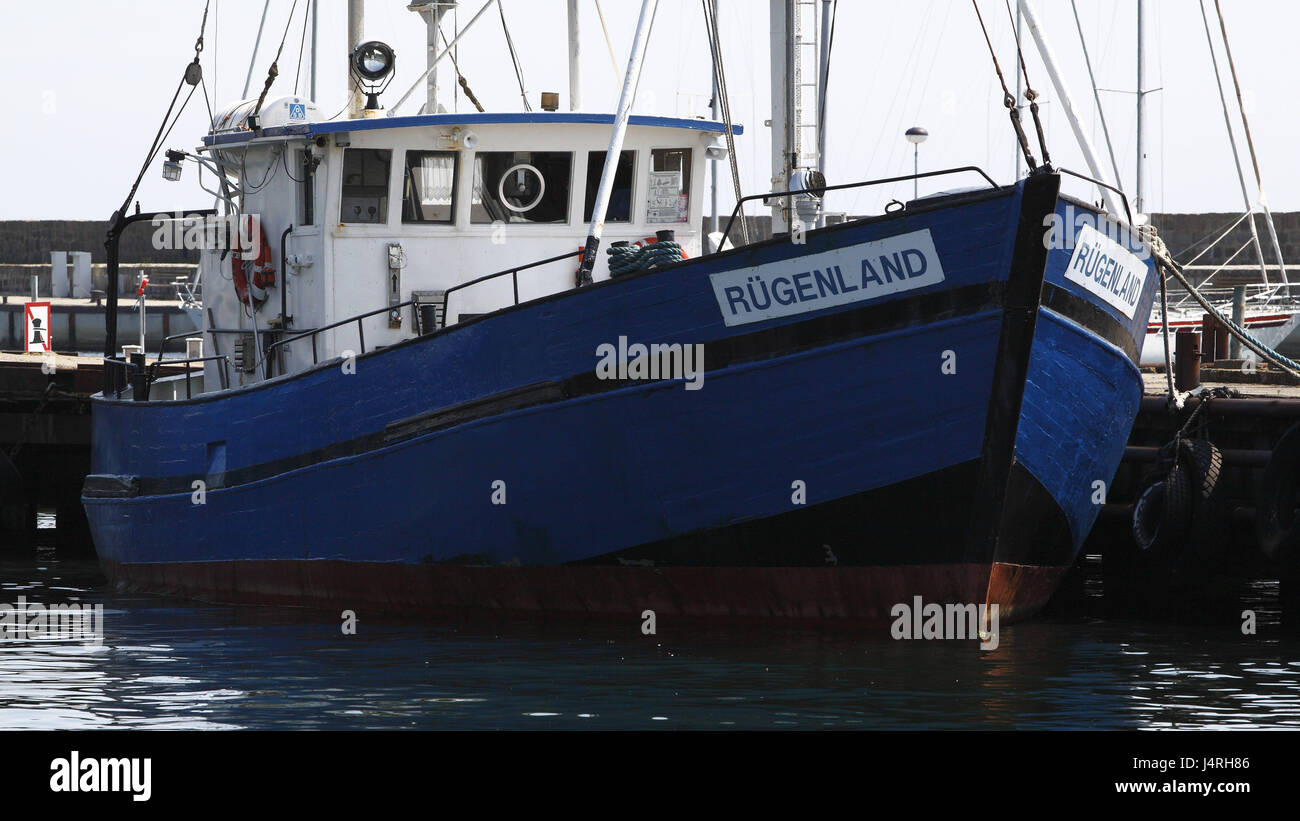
437 120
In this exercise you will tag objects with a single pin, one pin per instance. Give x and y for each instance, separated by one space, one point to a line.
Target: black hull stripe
1091 317
759 345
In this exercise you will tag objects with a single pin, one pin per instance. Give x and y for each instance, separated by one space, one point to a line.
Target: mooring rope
1167 266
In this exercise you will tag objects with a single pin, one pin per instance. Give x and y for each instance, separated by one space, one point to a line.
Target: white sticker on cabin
667 202
1107 269
870 270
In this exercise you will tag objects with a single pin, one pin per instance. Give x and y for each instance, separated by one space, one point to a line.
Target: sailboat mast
315 7
1139 203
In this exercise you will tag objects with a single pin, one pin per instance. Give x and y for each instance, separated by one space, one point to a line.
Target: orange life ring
644 241
255 274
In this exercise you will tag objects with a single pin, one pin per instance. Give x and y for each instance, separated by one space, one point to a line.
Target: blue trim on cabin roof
314 129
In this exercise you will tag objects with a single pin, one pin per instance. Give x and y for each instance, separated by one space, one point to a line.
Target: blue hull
940 441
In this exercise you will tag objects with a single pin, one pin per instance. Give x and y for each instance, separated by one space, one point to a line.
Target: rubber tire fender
1277 527
1162 515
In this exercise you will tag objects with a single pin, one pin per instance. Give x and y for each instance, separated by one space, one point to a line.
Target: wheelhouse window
429 186
669 195
307 208
521 186
365 185
620 196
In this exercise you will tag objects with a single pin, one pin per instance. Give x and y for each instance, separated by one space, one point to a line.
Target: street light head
916 135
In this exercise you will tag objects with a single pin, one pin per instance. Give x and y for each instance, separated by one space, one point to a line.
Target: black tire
1162 514
1205 463
1277 527
1148 516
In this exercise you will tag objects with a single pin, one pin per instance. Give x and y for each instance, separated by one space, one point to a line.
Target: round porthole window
521 187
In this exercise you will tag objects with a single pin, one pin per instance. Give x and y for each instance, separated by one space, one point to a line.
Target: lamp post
915 135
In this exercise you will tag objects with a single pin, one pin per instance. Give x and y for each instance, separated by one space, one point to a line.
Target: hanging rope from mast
1008 99
460 78
1030 94
715 49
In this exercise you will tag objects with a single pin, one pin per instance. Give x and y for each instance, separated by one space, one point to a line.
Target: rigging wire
460 78
514 58
826 78
193 72
1096 95
609 44
1008 99
1232 142
1030 94
715 49
1250 144
274 70
306 15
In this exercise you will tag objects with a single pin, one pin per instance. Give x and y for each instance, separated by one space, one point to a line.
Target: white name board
1107 269
36 326
857 273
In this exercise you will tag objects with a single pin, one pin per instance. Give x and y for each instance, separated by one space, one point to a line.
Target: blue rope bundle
625 258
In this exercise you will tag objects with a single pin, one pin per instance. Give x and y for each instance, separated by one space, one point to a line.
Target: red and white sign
36 324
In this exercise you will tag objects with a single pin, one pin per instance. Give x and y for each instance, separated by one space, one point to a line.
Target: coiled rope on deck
626 258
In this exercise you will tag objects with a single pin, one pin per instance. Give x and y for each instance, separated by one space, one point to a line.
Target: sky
88 81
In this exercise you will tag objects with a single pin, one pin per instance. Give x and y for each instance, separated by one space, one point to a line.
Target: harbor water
166 663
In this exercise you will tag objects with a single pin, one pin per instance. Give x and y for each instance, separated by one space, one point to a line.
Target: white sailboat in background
1269 310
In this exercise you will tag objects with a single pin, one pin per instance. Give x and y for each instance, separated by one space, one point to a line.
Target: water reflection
178 665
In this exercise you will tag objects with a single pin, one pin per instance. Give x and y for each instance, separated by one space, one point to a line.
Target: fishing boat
422 390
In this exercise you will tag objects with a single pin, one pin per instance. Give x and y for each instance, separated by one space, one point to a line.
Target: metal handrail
154 366
514 272
1105 185
361 331
819 191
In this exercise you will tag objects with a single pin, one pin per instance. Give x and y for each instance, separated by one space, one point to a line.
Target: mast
1254 160
1139 203
715 106
823 75
248 79
1236 155
794 101
315 6
625 100
575 52
432 12
356 34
